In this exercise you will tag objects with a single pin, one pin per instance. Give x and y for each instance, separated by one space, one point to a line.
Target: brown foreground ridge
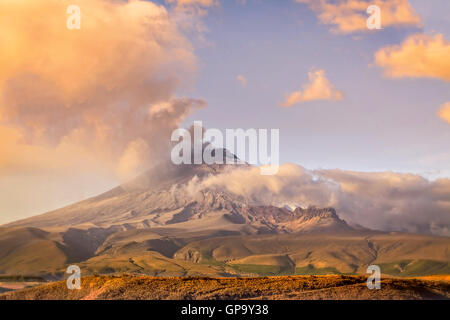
335 287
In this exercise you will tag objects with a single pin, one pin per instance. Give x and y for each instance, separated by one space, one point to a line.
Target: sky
84 110
380 124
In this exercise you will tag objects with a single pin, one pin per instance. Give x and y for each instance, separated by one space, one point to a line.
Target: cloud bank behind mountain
381 200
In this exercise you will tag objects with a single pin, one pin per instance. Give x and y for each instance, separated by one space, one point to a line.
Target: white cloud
382 200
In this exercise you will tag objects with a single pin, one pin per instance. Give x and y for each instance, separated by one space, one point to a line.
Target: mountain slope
158 225
26 251
159 198
338 253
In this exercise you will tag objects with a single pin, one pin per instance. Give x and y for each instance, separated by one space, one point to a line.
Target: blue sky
381 124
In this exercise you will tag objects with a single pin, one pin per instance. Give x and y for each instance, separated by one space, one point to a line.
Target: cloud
242 80
348 16
420 55
382 200
199 7
318 88
393 201
93 87
201 3
74 101
444 112
188 14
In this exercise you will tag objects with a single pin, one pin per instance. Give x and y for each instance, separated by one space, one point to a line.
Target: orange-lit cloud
188 14
202 3
92 87
418 56
242 80
78 101
199 7
318 88
347 16
444 112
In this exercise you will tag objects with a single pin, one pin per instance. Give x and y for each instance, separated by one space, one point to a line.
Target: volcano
157 224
